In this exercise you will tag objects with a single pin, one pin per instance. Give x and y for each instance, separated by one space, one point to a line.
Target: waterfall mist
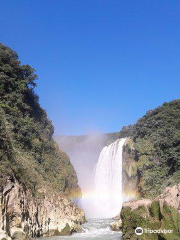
84 153
99 169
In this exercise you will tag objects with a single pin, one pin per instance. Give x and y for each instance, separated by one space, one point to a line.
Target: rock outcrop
161 213
116 226
22 216
130 170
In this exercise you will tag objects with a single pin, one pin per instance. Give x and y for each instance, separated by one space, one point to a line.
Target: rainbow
92 195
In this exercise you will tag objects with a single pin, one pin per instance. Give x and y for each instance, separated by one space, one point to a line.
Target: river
94 229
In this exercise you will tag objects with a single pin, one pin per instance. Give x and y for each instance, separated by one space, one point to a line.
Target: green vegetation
151 217
161 128
156 138
157 141
27 150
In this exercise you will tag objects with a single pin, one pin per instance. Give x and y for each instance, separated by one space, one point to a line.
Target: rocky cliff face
37 179
161 213
130 170
152 153
23 216
142 170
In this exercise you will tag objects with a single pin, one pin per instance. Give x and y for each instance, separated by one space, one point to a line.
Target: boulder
116 226
161 213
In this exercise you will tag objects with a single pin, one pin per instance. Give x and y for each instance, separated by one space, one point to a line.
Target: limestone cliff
37 179
151 153
150 170
23 216
161 213
130 170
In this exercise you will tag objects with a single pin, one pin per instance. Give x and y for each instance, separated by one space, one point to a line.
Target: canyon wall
151 154
151 174
37 179
23 216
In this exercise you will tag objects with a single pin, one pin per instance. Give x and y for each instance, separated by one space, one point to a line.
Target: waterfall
108 180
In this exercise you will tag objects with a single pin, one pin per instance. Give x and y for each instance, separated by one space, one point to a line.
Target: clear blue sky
101 63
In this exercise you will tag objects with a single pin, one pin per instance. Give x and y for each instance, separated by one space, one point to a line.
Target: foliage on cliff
157 148
27 150
162 213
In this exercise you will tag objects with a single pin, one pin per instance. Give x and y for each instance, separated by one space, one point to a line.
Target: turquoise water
94 229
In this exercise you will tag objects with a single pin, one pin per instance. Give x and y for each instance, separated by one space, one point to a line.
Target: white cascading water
108 181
